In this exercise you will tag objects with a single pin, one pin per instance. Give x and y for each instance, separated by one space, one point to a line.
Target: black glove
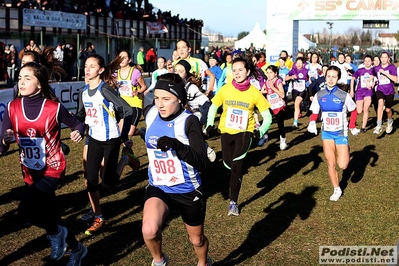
257 134
165 143
209 130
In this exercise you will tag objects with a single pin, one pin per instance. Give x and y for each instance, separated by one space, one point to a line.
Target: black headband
175 88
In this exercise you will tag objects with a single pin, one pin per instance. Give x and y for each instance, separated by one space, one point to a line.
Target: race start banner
282 23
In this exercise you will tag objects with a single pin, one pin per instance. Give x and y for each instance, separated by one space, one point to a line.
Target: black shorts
388 98
136 114
296 93
192 205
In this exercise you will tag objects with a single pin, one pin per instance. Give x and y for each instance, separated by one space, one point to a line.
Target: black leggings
39 207
234 150
96 151
280 122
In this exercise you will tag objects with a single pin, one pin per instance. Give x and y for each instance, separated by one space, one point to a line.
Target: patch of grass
286 213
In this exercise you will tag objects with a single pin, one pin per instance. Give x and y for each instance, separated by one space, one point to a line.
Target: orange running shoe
95 227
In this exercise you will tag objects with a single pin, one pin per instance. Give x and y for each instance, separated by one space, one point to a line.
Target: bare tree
242 34
352 35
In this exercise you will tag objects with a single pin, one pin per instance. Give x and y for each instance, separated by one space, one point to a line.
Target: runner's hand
166 143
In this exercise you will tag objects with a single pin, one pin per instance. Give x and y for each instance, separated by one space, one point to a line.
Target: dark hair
284 51
129 55
387 53
164 59
318 57
53 64
283 58
193 78
258 56
47 59
368 56
300 59
273 68
35 55
107 76
42 74
185 41
248 65
336 69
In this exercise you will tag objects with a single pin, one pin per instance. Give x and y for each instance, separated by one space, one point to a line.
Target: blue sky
229 17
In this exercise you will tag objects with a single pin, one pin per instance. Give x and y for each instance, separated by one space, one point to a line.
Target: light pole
330 26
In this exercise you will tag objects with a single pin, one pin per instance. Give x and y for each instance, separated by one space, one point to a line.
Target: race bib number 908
165 168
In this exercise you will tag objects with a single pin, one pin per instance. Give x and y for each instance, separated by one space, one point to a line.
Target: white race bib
332 121
313 74
94 116
165 168
275 101
255 83
33 152
236 118
299 85
125 88
365 81
383 80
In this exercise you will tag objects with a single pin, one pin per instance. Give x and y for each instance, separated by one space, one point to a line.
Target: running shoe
89 216
95 227
363 130
377 130
354 131
211 154
165 261
283 143
58 243
76 256
233 209
389 127
294 126
263 140
131 159
337 194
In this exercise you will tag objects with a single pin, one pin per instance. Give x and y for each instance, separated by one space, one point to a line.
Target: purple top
299 84
385 85
363 76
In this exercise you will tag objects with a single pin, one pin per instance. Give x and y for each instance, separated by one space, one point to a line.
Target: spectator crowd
119 9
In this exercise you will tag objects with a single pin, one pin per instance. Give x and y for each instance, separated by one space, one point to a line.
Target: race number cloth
33 152
165 168
332 121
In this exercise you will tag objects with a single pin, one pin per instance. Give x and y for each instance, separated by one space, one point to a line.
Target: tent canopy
304 43
374 48
256 37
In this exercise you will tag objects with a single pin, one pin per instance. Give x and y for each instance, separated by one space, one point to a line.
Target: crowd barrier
67 93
